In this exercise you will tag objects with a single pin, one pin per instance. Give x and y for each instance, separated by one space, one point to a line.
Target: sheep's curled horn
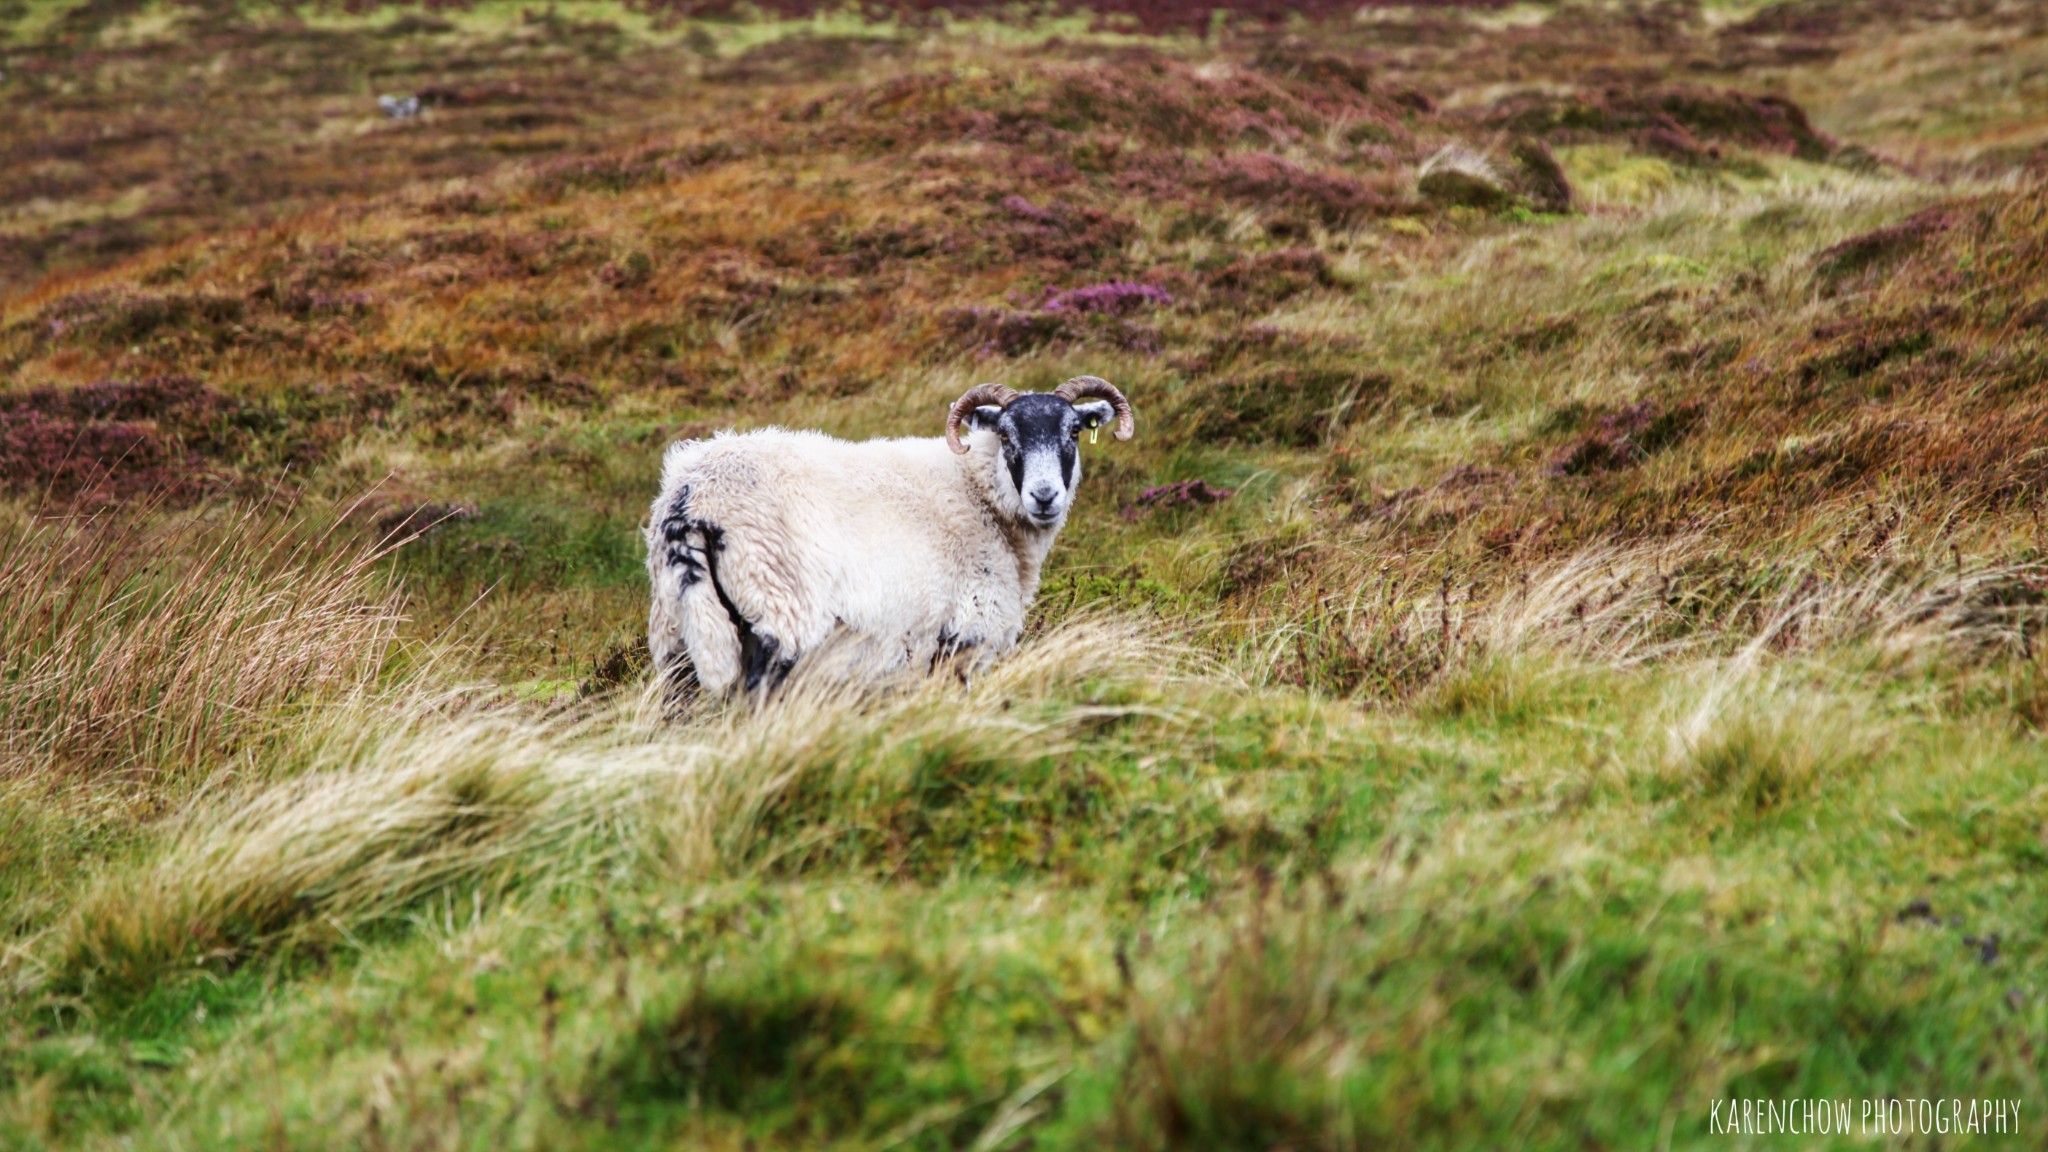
976 396
1079 388
1086 387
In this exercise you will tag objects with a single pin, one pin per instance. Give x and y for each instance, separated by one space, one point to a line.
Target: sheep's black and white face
1038 433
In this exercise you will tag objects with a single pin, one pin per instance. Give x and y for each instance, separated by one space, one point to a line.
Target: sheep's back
881 535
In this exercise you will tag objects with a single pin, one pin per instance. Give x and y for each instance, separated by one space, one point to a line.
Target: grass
147 646
1535 674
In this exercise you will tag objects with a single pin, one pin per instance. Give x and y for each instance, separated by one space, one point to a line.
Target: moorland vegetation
1562 649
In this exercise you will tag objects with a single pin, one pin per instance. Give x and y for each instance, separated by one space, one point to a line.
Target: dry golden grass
138 647
386 802
1621 621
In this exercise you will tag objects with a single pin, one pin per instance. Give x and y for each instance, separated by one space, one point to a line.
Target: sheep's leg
762 661
952 650
688 624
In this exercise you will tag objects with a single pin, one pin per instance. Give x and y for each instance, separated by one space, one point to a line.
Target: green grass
1612 686
1479 928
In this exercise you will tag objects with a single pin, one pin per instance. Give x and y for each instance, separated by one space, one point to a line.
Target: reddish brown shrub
46 455
1883 247
157 398
1626 437
1673 120
1539 176
1315 70
1073 235
619 172
1115 298
1147 16
1262 178
115 439
1864 351
1169 497
804 57
1291 404
120 316
1266 278
1006 332
1673 142
1150 102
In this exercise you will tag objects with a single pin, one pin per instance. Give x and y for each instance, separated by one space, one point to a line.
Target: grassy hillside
1560 651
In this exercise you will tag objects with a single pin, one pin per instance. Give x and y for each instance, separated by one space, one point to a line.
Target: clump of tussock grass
1909 614
1604 602
1371 643
1404 626
1242 1054
134 647
804 769
1756 739
398 803
1430 627
1501 691
384 815
1692 596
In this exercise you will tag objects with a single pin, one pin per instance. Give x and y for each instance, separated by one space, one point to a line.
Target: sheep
772 547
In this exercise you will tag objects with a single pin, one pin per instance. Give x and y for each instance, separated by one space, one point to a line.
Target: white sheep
772 547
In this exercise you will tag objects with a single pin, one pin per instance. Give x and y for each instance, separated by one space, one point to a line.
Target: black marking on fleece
761 661
677 527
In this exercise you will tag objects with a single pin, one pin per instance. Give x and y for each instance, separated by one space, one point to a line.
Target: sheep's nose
1044 495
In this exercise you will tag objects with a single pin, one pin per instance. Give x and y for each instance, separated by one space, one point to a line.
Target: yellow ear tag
1094 432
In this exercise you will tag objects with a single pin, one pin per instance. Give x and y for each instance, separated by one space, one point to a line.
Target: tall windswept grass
383 813
1404 628
391 803
1757 740
133 646
797 772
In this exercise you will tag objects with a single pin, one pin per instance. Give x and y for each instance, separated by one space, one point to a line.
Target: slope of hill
1560 652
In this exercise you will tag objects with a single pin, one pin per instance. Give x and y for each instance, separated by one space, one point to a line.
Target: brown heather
1563 648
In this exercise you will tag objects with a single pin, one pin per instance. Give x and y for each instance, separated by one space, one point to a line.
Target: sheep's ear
983 419
1095 413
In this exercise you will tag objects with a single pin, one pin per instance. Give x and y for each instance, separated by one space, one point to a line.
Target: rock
1530 176
1458 176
